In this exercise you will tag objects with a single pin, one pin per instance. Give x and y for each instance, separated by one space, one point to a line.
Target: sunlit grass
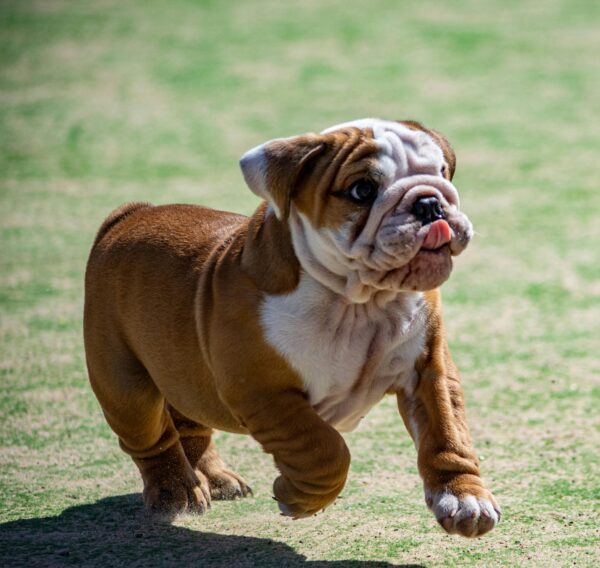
105 102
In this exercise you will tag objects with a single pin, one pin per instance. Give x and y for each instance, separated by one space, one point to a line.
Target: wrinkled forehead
402 150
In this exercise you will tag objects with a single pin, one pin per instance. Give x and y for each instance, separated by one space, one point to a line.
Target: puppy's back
142 280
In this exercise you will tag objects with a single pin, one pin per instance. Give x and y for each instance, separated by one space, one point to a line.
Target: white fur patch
467 515
350 329
348 355
253 167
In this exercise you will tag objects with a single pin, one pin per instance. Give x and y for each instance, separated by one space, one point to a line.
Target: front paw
469 513
298 504
293 511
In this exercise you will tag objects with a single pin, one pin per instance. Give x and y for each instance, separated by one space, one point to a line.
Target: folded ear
440 140
273 169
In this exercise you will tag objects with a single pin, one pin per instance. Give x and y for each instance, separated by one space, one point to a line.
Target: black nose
428 209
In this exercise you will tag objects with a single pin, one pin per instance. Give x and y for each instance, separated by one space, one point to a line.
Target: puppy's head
370 204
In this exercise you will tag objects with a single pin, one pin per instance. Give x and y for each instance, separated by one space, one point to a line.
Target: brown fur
348 156
193 339
174 347
446 458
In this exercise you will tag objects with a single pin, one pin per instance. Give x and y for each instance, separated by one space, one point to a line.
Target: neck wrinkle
309 262
350 286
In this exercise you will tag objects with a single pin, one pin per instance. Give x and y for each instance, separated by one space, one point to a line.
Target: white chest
348 355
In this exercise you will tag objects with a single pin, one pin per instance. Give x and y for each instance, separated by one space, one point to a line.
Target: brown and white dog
289 325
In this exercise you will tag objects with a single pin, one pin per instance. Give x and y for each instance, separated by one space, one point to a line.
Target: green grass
105 102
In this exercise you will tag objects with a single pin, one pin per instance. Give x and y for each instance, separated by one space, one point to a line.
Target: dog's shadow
115 532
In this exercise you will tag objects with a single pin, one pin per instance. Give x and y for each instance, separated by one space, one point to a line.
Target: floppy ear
273 169
440 140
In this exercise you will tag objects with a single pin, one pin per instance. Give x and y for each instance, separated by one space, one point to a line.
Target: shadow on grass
115 532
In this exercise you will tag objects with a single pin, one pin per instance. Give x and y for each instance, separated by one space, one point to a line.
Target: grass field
103 102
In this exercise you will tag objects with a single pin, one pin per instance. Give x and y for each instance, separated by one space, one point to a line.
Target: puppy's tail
116 217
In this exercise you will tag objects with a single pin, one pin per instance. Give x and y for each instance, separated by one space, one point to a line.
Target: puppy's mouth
439 235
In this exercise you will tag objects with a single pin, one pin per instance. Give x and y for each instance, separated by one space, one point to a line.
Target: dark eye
363 191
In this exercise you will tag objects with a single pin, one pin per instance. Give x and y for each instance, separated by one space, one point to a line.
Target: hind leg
136 411
203 456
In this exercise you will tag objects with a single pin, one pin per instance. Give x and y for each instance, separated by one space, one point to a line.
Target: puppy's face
370 204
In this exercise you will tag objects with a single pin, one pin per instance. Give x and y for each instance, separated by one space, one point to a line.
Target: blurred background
104 102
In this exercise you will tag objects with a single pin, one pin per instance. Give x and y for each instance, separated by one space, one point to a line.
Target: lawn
104 102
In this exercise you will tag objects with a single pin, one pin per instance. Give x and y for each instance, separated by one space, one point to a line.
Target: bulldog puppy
289 325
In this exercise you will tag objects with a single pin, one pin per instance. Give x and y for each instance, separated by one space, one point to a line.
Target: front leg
434 414
311 455
266 396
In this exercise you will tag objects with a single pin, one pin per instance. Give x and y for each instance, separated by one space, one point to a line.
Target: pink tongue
439 234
